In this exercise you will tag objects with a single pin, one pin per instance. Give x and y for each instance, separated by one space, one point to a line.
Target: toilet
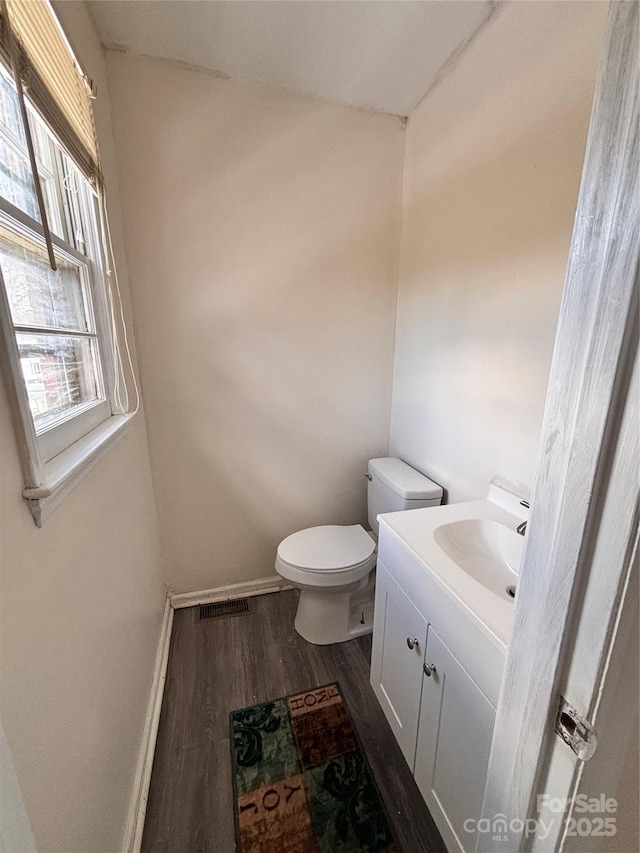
333 566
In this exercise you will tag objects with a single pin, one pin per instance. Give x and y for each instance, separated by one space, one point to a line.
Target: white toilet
333 566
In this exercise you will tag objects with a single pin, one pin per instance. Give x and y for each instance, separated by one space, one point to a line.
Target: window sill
65 471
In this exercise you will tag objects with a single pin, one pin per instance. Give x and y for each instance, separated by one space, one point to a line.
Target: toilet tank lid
404 480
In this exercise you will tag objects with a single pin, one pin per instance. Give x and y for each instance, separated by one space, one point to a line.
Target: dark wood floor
219 665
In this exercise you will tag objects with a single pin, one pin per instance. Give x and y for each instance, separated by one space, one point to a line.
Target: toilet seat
327 556
329 548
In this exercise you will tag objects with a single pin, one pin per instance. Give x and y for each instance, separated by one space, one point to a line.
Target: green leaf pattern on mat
263 745
345 808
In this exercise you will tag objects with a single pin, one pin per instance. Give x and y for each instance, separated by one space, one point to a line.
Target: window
58 324
53 314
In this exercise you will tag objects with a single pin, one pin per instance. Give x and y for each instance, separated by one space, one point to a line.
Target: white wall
81 606
15 829
262 234
492 169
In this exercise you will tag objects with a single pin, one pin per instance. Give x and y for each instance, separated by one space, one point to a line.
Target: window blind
53 77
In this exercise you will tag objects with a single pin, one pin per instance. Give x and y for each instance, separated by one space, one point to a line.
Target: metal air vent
220 609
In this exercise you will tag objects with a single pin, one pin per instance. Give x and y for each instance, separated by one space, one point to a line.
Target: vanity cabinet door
399 637
454 739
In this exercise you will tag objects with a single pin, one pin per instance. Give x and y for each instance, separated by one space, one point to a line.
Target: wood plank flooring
219 665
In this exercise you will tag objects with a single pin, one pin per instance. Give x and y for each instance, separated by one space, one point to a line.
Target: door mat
301 781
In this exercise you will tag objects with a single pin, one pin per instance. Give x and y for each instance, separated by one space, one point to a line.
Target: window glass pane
38 296
60 374
16 181
44 148
9 109
16 184
76 198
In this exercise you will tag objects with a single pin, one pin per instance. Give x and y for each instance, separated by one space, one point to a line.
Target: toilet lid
328 548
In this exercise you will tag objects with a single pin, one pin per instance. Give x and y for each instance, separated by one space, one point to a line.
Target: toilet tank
394 485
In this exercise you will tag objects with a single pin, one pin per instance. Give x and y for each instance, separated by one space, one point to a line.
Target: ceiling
377 54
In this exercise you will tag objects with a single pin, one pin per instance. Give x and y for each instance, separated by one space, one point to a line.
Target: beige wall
262 232
492 170
81 605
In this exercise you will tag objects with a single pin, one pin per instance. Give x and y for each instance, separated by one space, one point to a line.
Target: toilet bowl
333 566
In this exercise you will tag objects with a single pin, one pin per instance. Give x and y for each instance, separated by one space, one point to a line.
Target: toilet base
325 617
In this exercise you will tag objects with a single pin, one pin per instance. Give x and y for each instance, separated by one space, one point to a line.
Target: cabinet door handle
429 668
413 644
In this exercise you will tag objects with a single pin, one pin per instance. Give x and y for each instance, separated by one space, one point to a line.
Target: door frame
596 339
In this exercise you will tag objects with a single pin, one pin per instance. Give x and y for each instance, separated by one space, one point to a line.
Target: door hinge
575 731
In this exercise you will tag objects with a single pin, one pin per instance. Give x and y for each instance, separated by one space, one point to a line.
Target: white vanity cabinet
453 742
436 675
397 660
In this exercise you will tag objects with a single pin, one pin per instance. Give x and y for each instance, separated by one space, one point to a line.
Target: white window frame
55 460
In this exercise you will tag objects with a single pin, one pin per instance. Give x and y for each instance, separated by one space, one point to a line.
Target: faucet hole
511 591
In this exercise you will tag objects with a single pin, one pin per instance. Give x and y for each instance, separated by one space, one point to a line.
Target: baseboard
223 593
135 825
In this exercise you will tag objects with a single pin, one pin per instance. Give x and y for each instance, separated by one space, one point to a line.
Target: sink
485 549
469 549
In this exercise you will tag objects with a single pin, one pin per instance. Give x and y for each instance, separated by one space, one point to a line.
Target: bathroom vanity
443 610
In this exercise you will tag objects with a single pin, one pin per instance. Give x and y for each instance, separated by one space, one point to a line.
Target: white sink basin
471 550
487 550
